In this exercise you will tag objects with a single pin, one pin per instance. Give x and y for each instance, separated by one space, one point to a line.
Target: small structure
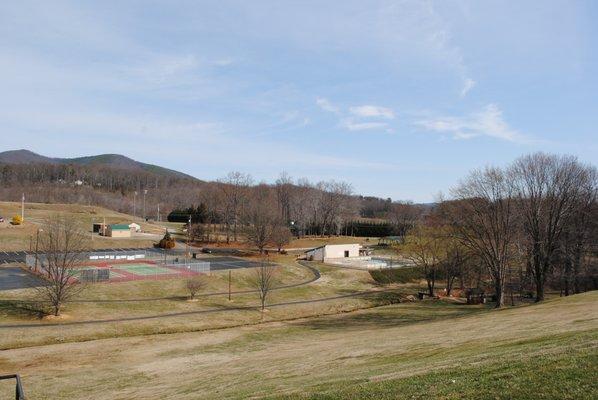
99 228
118 230
332 251
475 296
135 227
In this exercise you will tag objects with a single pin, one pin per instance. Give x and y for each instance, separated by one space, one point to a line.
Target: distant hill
115 161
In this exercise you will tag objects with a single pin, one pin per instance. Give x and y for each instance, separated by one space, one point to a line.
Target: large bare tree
63 245
482 216
234 188
261 217
549 193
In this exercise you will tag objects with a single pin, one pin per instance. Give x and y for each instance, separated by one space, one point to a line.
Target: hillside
116 161
18 237
402 351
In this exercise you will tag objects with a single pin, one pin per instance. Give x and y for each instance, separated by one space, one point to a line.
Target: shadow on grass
403 314
18 308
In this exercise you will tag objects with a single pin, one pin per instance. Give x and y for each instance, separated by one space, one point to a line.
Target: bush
17 220
397 275
194 285
167 242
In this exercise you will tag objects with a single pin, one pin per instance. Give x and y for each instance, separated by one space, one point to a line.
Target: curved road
183 313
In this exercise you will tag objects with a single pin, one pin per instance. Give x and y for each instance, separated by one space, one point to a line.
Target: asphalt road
16 278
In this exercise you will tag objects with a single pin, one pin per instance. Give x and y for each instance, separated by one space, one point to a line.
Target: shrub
17 220
397 275
167 242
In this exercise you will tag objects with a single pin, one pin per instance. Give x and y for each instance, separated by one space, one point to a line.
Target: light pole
188 236
229 279
144 193
23 208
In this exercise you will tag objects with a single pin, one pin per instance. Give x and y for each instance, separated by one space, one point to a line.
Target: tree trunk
539 286
567 277
500 294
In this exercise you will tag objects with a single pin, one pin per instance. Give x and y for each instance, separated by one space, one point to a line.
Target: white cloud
488 122
353 125
368 111
326 105
468 84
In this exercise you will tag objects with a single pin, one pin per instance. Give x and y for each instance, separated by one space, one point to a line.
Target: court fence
126 265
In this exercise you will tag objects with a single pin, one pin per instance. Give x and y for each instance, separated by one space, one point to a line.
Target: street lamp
37 247
144 193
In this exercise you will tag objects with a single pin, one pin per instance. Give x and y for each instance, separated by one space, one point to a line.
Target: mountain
115 161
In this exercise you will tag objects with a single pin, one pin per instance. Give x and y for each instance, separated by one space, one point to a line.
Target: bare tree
483 219
332 202
284 192
423 247
263 280
261 217
234 187
281 236
63 244
548 189
194 284
404 216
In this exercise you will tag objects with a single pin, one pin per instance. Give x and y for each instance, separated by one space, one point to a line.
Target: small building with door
99 228
118 230
332 251
135 227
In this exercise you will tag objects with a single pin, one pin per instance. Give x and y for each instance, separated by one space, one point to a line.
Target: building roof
119 227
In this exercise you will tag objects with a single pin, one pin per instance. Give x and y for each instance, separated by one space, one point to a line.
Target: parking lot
16 278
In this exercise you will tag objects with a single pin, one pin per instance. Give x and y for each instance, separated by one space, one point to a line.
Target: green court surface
143 269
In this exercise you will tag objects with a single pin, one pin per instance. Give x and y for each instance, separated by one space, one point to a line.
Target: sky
399 98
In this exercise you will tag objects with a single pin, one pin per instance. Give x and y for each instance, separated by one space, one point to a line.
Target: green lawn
568 371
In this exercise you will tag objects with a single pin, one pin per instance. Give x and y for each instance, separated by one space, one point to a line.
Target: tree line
527 225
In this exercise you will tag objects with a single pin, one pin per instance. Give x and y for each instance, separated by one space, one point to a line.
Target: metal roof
119 227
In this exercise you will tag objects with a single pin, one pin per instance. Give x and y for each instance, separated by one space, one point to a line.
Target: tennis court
143 269
125 270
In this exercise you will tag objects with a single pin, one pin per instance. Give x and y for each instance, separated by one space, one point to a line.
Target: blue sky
399 98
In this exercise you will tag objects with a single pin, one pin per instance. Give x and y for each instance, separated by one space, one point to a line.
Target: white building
135 227
333 251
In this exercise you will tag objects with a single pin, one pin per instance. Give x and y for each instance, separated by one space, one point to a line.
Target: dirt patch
61 317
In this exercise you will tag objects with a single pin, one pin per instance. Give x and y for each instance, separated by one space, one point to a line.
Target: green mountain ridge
117 161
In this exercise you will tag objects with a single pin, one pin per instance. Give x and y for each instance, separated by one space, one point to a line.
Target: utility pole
158 212
188 236
135 203
37 247
23 208
229 276
144 193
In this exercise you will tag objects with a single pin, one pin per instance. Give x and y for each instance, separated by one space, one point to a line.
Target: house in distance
333 251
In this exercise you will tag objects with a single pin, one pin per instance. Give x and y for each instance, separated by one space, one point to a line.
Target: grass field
104 302
18 237
402 351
